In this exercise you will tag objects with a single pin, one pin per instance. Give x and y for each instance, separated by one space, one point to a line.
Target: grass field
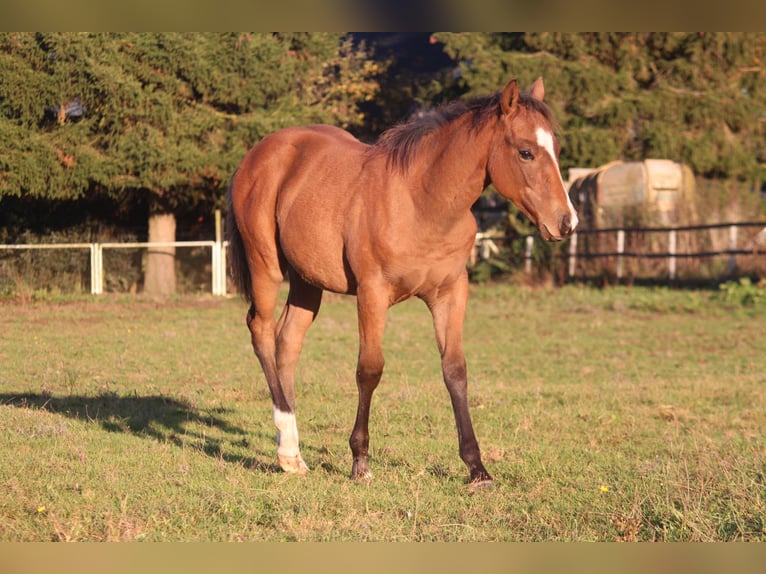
617 414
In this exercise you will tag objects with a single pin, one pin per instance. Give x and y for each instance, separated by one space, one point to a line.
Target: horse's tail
239 269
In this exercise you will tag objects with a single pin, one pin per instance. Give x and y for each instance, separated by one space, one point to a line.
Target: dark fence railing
616 246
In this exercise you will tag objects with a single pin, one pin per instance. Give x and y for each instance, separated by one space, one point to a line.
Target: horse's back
293 149
290 161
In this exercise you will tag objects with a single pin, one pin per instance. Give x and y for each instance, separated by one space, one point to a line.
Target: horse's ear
509 98
538 89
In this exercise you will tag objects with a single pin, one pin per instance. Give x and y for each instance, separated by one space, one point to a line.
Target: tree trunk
160 277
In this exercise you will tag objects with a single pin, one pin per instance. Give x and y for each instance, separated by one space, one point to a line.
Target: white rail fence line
218 258
484 245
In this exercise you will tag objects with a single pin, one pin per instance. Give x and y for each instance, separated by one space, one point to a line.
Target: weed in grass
743 293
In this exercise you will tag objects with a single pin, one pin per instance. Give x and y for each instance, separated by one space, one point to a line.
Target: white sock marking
287 433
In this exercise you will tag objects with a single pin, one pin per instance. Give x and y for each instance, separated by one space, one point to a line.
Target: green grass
620 414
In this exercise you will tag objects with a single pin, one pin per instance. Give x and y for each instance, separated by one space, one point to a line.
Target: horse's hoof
292 464
481 485
367 475
360 471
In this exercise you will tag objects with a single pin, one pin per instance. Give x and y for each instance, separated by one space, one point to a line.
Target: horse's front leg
448 307
372 304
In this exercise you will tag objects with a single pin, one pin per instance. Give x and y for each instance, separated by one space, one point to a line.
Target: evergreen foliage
162 118
697 98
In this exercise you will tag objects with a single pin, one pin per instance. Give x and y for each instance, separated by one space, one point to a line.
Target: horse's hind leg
300 311
266 278
260 321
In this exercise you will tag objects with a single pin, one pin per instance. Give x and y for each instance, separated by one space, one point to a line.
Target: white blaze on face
287 433
545 141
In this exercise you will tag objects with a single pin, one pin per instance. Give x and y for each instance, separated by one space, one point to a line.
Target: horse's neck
455 170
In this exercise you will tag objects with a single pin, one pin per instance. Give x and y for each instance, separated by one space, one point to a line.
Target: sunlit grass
622 414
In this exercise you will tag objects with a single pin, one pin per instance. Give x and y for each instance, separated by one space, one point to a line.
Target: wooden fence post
219 282
528 254
572 255
672 251
732 248
98 264
620 251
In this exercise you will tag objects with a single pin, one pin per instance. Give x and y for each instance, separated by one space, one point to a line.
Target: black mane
400 142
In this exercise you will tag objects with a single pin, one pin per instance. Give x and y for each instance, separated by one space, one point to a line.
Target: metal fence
672 253
611 245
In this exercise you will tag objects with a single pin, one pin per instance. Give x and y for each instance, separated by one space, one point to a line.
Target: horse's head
523 162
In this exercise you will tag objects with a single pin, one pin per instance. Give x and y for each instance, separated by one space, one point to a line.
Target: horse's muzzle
566 226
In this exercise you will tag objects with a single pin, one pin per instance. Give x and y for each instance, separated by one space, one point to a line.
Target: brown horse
384 222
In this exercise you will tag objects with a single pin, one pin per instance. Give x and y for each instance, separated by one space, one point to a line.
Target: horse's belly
421 276
318 259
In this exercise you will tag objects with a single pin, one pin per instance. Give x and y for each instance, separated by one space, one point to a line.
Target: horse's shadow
161 418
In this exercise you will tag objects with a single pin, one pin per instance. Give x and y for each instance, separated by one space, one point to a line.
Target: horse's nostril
565 226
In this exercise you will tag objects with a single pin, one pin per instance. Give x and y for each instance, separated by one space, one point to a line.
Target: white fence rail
485 246
218 258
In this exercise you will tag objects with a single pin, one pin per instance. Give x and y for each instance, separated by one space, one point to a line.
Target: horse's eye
525 154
